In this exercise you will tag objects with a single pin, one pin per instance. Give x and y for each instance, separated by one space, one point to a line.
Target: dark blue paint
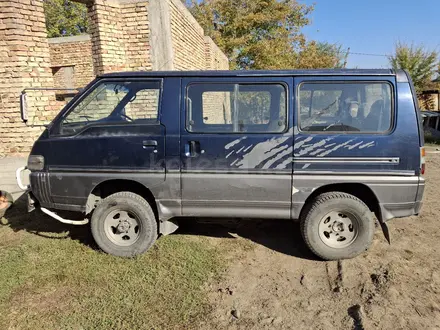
119 147
253 73
215 154
402 141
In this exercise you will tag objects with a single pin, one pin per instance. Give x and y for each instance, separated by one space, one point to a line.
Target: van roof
253 73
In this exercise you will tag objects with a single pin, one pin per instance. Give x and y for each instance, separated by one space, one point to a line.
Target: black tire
340 203
134 205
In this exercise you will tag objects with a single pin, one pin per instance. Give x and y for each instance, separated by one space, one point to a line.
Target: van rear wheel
124 225
337 225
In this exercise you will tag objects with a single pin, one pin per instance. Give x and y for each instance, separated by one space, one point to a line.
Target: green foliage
430 138
65 18
263 34
321 55
418 61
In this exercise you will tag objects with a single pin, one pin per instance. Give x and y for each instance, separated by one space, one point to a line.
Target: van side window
113 101
345 107
236 108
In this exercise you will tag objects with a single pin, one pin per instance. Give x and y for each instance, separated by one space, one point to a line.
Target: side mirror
23 107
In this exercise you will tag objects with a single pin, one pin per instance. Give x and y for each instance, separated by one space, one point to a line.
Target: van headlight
35 163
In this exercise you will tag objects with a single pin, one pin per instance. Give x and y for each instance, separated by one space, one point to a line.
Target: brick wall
120 35
105 26
215 58
24 62
125 35
71 54
136 36
217 107
188 39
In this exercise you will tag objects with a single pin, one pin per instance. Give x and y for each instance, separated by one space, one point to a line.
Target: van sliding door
236 147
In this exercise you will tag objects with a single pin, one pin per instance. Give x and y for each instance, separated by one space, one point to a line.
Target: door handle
150 144
192 149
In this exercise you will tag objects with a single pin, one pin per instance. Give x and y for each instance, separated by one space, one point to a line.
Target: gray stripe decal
242 203
103 170
243 172
348 160
341 173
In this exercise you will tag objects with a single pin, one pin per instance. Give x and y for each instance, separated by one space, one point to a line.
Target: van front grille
40 187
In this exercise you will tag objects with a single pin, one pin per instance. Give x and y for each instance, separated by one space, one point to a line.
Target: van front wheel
337 225
124 225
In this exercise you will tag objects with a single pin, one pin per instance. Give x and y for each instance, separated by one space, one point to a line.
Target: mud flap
385 231
168 227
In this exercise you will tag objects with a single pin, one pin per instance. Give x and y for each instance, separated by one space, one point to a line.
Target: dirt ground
266 278
277 284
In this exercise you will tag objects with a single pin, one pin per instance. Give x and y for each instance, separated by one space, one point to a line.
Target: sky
374 26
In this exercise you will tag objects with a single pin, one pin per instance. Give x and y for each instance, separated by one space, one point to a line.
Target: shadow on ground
283 236
38 223
280 235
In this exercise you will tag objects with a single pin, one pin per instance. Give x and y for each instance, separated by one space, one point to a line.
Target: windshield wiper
333 124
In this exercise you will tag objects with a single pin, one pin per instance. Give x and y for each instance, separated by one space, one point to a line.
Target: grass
432 142
431 139
50 279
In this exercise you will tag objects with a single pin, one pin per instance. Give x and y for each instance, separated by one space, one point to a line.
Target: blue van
136 151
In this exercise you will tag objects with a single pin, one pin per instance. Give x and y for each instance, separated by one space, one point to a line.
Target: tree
255 34
437 79
419 62
65 18
264 34
316 55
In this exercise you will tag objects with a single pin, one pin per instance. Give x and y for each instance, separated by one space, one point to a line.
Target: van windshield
113 101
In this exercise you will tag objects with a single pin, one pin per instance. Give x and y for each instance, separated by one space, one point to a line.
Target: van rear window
345 107
236 108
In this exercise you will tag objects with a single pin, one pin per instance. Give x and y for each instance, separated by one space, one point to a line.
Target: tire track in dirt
278 284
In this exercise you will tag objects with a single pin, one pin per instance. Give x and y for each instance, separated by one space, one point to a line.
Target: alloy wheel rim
338 229
122 227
